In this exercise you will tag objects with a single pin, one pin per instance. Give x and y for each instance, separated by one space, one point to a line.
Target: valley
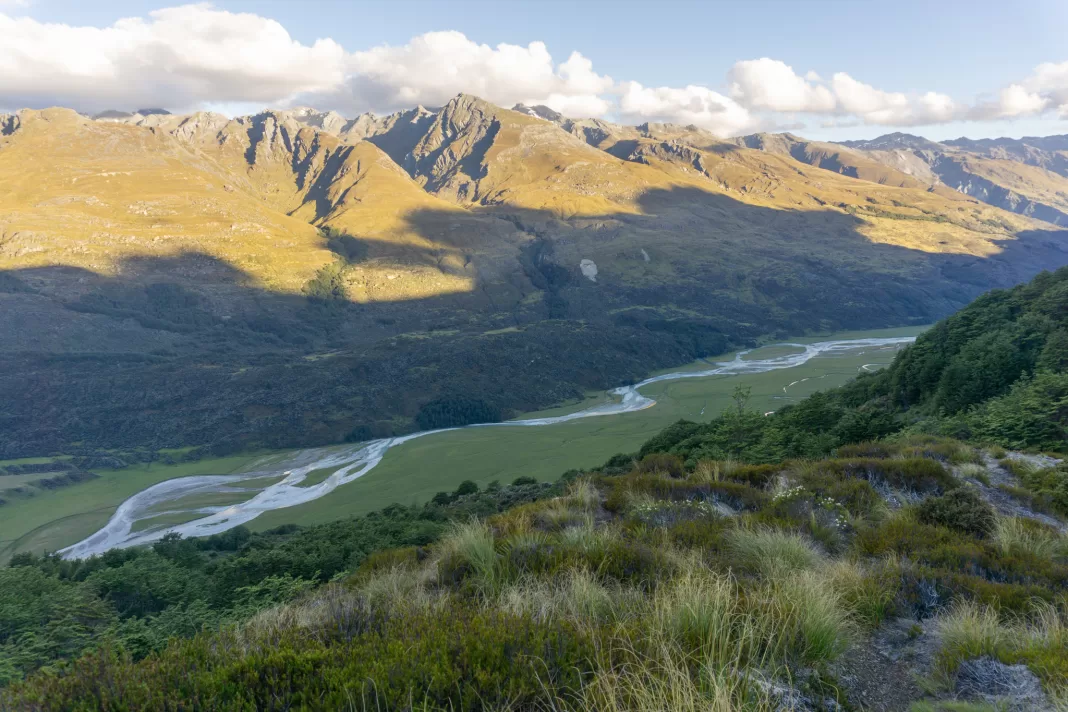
293 279
432 463
432 358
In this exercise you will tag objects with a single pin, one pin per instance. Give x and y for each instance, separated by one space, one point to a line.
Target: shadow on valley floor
191 351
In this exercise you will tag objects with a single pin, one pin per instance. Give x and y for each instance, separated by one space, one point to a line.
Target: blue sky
967 51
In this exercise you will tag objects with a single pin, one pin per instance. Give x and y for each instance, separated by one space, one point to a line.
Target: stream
357 460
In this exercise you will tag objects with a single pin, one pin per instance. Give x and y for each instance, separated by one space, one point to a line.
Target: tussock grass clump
662 463
1048 485
576 596
710 471
912 474
937 448
699 610
387 560
469 552
975 471
627 490
1017 466
401 587
970 630
1038 639
912 446
1014 535
659 676
869 591
558 514
771 552
589 539
582 495
810 616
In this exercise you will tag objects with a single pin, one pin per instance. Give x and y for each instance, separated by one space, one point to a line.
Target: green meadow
415 471
51 520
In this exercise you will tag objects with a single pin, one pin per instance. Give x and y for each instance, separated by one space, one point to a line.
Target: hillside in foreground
842 553
292 279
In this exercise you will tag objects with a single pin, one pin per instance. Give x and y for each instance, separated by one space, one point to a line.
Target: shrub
962 510
1049 484
916 474
462 658
662 463
466 487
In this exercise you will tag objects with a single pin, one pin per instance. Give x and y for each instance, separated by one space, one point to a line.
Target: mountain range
295 276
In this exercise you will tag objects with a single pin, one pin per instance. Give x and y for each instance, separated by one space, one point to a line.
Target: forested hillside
843 550
995 372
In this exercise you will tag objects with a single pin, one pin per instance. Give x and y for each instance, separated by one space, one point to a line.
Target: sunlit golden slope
653 206
95 195
251 193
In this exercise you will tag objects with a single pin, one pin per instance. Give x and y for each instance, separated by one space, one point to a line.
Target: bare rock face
674 151
451 153
540 111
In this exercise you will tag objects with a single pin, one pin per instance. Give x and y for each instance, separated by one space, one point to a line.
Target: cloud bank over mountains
193 56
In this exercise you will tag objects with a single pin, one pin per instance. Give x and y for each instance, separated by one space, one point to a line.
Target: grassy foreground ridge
897 539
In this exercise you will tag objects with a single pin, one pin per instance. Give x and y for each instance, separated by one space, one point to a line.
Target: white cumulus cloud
194 55
178 57
434 67
688 105
1050 81
875 106
197 56
770 84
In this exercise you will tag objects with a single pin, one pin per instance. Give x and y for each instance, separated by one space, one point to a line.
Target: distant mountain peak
116 115
891 141
539 111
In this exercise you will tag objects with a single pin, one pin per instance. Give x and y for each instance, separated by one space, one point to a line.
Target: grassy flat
417 470
58 518
316 476
414 472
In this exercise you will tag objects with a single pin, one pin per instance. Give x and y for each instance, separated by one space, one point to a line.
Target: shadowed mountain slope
290 251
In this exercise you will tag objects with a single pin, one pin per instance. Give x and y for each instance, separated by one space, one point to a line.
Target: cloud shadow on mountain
190 350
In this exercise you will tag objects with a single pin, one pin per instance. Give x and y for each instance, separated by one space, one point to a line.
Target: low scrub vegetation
725 565
640 590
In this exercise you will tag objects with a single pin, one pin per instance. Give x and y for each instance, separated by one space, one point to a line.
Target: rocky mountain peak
895 140
540 111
